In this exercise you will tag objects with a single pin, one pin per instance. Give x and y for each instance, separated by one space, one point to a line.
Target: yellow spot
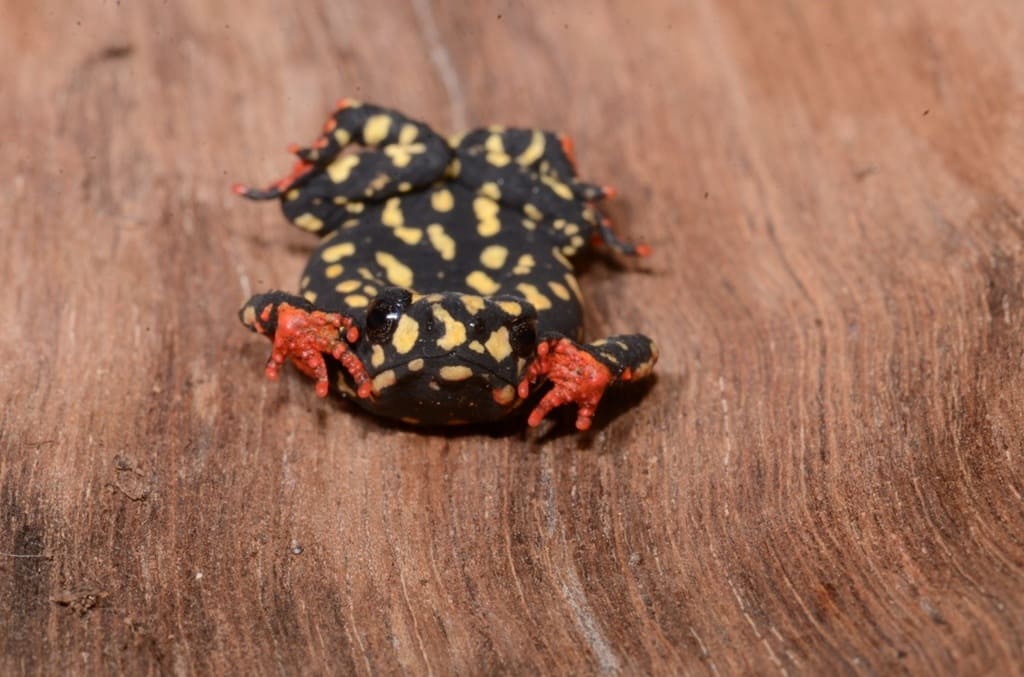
498 160
532 212
310 296
611 358
534 151
560 257
347 286
406 333
366 274
494 144
490 189
383 380
498 344
531 294
410 236
332 271
370 290
392 216
401 155
442 200
376 129
342 136
455 139
557 187
487 214
511 307
355 207
477 347
337 252
292 194
576 241
309 222
339 200
408 133
416 364
356 301
441 241
482 282
342 167
249 316
474 304
397 272
377 356
405 186
304 282
454 331
524 265
572 229
350 223
559 290
529 225
455 373
505 394
574 286
494 256
454 169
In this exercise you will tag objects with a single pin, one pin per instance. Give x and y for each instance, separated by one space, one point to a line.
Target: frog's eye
523 337
382 315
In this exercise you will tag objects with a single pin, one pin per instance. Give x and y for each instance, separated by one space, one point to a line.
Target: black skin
451 259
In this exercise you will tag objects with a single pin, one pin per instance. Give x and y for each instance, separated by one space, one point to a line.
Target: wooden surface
826 474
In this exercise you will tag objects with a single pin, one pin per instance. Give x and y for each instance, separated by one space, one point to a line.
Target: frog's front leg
304 334
582 372
402 155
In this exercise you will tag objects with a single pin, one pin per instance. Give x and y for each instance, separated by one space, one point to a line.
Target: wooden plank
826 475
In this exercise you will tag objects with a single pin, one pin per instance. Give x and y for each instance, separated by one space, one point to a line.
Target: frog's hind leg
533 171
326 186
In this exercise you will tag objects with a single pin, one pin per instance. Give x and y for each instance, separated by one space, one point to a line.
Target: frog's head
433 357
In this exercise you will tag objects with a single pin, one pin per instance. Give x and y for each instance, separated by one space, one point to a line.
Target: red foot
304 337
300 169
577 375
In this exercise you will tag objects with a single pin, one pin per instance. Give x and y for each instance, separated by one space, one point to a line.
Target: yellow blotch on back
442 200
454 331
441 241
376 356
533 295
406 333
480 281
524 265
336 252
376 129
396 272
309 222
534 151
494 256
559 290
347 286
342 167
334 270
486 211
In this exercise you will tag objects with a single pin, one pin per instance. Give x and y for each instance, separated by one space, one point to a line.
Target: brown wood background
827 473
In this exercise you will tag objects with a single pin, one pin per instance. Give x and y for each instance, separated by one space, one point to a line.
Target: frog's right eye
383 313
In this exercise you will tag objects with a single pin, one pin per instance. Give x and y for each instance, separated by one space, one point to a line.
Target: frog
443 290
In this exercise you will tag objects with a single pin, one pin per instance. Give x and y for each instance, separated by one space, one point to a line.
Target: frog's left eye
523 337
382 315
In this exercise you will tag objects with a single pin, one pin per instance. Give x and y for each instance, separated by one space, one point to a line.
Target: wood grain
827 474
